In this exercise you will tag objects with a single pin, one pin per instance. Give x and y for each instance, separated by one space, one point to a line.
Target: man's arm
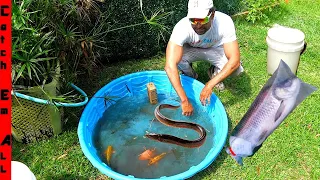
231 50
232 53
174 54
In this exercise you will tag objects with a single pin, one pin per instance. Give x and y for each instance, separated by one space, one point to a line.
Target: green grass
291 152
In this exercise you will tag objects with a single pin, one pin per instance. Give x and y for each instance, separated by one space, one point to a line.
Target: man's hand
205 95
233 55
187 108
173 57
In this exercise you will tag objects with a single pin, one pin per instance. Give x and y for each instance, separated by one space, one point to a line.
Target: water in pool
124 125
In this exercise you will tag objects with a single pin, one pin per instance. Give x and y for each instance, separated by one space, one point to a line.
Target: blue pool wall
137 84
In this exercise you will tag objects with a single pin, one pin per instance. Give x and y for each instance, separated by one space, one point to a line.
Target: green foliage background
141 42
82 33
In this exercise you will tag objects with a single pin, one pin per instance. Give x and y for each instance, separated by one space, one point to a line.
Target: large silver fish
279 96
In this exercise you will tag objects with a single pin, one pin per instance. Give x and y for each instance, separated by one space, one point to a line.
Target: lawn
291 152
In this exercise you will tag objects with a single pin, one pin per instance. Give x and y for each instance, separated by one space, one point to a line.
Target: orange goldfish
108 154
147 154
156 158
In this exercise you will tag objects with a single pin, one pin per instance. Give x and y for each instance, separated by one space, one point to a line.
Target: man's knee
187 70
238 71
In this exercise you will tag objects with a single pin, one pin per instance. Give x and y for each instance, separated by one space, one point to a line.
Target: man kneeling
205 34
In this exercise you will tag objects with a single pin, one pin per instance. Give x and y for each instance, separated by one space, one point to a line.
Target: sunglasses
203 21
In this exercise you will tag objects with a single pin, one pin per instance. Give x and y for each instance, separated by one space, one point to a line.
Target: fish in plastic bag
282 93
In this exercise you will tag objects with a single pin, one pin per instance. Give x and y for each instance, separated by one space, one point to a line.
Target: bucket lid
285 35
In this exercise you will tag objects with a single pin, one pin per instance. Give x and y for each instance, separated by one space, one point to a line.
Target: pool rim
210 157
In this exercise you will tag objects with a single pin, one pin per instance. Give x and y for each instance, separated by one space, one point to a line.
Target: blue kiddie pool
135 85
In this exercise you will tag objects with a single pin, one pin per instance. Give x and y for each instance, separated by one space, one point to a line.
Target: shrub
140 42
69 35
255 9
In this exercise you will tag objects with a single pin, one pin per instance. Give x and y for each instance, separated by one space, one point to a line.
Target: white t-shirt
221 31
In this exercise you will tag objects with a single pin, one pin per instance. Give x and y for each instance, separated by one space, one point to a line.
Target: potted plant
36 75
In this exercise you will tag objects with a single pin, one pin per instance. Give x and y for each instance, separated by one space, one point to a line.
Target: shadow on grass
238 86
65 177
71 118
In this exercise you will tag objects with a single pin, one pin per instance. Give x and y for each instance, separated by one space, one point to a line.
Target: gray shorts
215 56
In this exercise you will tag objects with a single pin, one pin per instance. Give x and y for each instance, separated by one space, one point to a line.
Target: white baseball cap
199 8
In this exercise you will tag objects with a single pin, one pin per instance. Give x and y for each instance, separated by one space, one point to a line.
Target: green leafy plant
31 49
29 61
255 9
60 39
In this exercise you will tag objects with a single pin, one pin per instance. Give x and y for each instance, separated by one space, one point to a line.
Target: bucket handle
41 101
304 48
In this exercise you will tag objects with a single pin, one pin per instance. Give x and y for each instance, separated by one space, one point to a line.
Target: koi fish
147 154
178 124
277 99
108 153
156 158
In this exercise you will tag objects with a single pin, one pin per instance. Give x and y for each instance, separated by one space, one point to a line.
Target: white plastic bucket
20 171
286 44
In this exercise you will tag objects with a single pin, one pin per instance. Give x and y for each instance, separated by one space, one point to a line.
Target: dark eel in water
177 124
